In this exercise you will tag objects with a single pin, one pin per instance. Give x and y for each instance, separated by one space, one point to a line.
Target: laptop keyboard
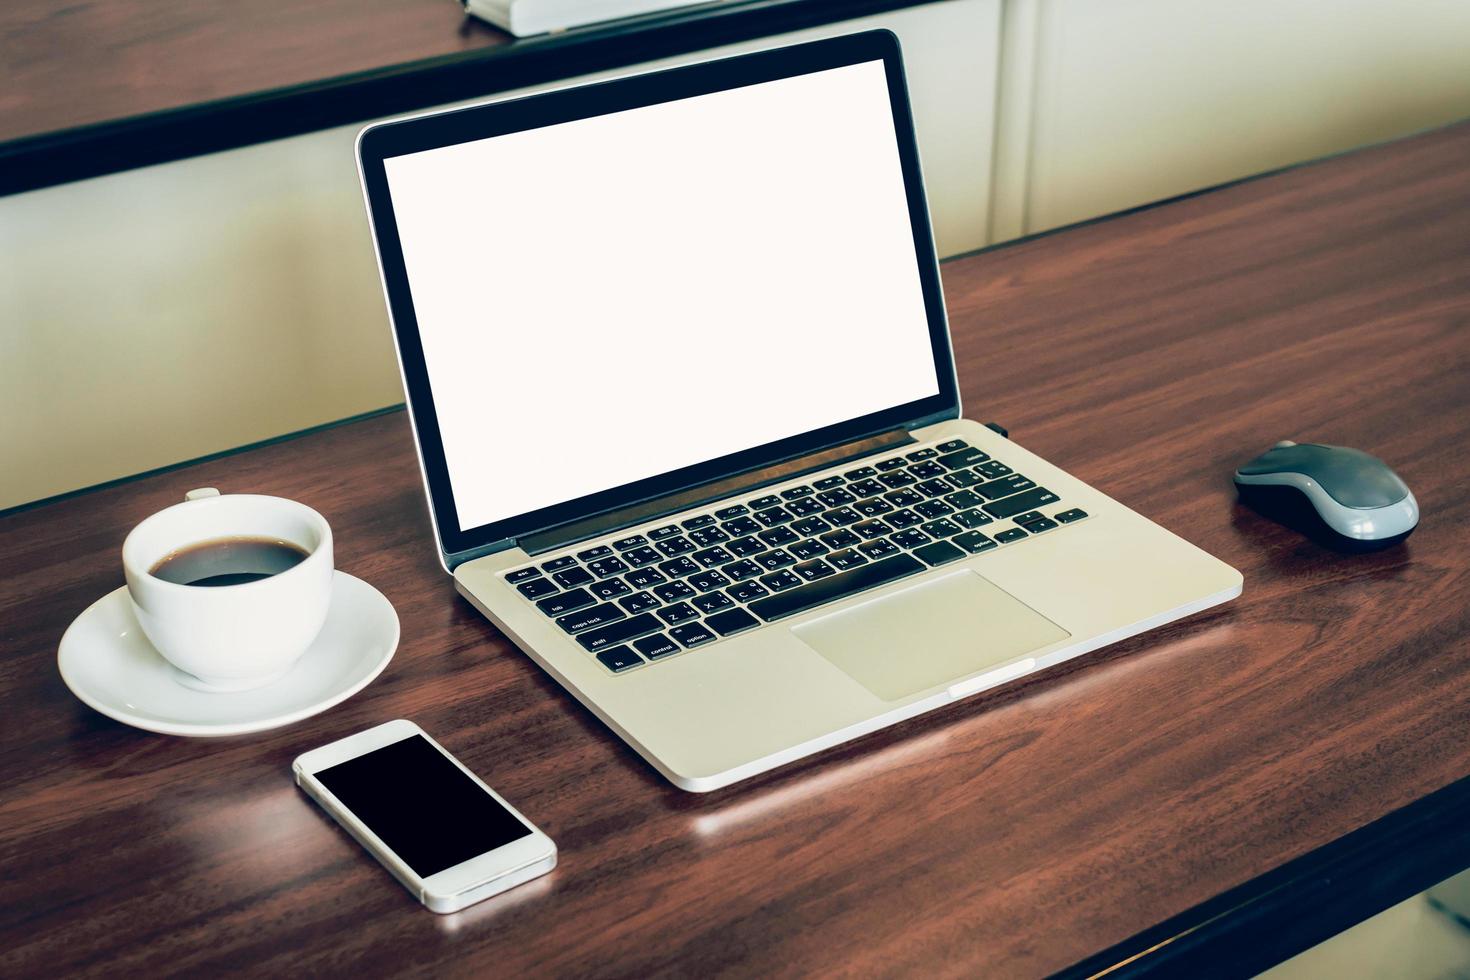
650 595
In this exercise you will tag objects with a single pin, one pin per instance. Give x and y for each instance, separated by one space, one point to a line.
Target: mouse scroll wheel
1284 444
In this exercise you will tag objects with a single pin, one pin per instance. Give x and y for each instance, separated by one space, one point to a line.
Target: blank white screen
610 299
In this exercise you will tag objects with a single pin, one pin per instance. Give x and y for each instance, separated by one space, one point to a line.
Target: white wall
1131 101
153 316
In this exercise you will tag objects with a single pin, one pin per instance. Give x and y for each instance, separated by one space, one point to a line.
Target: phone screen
422 805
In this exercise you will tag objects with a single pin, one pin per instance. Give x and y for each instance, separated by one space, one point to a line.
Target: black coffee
228 561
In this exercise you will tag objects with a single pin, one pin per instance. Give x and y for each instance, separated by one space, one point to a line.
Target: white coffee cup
231 637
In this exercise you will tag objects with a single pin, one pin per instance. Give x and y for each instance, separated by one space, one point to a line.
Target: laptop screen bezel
447 128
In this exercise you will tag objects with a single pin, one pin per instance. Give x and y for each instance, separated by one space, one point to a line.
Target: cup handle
201 493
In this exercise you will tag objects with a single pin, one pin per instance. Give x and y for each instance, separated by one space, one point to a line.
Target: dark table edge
1301 903
58 157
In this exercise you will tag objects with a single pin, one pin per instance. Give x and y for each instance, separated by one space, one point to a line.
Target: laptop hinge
590 527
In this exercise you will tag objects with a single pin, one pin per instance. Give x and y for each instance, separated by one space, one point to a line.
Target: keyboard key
742 547
705 581
778 536
939 553
565 602
584 619
972 518
747 591
557 564
835 497
910 539
1068 516
673 592
904 518
742 569
667 531
680 613
780 581
692 635
1036 527
808 548
940 528
773 516
1021 502
935 488
809 526
834 587
891 464
843 560
604 567
796 493
713 602
933 508
740 526
842 516
873 507
827 483
865 488
973 541
656 646
903 498
861 473
628 629
632 541
619 658
1009 535
965 478
994 469
952 445
693 523
927 471
735 510
639 602
898 478
706 536
815 569
732 621
925 453
840 539
676 546
645 577
571 578
678 567
515 578
963 499
805 506
878 550
639 557
538 587
773 560
1029 516
1004 487
761 503
959 459
710 557
869 530
592 554
609 588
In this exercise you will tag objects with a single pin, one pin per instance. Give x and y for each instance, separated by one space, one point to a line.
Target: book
526 17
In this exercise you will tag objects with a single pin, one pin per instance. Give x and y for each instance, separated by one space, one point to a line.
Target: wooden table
1010 834
90 87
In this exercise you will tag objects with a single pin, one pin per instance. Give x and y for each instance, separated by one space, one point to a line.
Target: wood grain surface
1007 835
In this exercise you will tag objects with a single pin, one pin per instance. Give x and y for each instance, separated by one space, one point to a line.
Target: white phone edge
453 888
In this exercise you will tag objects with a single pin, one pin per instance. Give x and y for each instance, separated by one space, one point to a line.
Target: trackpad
930 635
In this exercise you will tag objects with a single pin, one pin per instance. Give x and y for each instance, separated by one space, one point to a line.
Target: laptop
680 376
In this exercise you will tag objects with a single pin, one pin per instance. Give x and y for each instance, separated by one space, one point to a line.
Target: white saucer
107 662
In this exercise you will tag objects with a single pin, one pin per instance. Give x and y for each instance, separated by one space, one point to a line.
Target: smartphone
450 839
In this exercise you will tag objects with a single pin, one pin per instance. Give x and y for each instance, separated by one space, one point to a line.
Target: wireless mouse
1341 497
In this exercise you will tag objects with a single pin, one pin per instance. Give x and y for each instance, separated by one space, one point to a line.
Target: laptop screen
608 299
